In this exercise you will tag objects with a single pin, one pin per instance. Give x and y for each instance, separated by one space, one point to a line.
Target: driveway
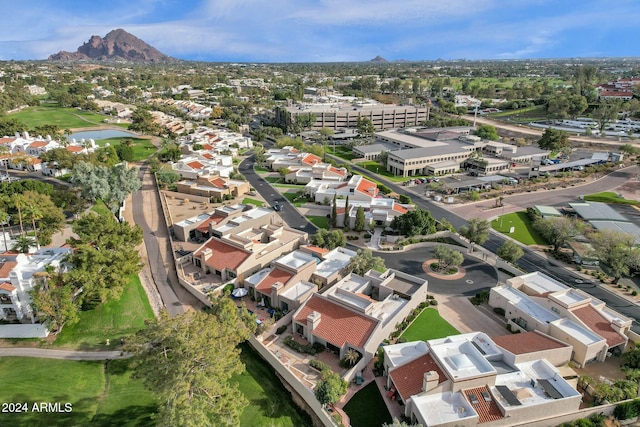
466 318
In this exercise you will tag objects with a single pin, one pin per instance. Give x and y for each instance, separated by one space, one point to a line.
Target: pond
100 134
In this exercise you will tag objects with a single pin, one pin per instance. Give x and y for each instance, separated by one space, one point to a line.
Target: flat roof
435 148
623 227
334 261
570 297
578 332
540 283
526 304
443 408
597 211
399 354
295 259
547 210
461 359
297 290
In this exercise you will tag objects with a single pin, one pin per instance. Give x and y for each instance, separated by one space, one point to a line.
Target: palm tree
4 220
19 202
33 211
352 357
23 244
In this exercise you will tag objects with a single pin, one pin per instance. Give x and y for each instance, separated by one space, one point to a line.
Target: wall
321 417
35 330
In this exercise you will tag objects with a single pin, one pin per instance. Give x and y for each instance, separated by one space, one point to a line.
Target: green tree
617 250
111 185
188 362
476 231
170 152
142 121
447 257
510 251
23 243
553 139
487 132
305 121
330 388
558 231
104 256
329 239
4 220
125 152
397 423
365 261
365 127
413 223
283 172
605 114
359 223
54 300
333 220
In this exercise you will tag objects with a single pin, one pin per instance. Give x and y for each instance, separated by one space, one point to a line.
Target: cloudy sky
330 30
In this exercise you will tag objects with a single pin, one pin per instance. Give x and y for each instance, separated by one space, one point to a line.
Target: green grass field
112 320
340 151
609 197
524 232
427 326
319 221
100 208
100 395
250 201
142 147
269 402
65 118
367 408
292 196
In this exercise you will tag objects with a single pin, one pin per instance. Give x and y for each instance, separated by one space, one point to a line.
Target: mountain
378 59
117 45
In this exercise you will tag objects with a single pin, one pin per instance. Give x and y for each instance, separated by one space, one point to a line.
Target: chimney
25 135
206 253
430 381
313 320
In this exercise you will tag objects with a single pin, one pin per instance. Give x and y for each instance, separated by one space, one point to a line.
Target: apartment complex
536 302
470 380
343 115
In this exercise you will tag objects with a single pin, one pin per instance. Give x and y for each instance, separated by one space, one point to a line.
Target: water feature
100 134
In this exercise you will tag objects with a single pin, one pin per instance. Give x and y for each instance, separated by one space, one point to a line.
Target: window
231 274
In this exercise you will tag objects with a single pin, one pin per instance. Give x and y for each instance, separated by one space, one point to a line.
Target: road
531 261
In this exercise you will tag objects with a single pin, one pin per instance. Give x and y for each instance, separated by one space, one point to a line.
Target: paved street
62 354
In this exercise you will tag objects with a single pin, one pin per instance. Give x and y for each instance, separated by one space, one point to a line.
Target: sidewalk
63 354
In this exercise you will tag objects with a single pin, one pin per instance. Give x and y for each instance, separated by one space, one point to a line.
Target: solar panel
508 395
485 396
550 389
473 398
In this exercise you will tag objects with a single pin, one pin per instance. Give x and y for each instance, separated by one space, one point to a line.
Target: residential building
469 380
377 211
198 227
356 188
358 312
18 277
192 167
214 187
536 302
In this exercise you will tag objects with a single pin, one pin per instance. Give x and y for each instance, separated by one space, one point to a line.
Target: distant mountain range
117 45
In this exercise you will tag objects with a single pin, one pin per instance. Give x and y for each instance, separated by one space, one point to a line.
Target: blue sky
330 30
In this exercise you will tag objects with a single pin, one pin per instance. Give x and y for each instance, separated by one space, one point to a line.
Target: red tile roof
208 147
527 342
338 325
338 171
204 226
311 159
275 275
195 165
6 267
315 249
38 144
6 140
408 378
487 411
224 255
208 156
74 148
6 286
599 324
399 208
367 187
217 182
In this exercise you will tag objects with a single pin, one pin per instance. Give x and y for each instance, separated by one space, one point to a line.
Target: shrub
433 302
499 310
401 340
281 329
634 293
319 365
302 348
626 410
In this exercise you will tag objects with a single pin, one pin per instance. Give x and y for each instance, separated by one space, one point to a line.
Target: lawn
142 147
100 395
112 320
64 118
378 169
270 403
292 199
319 221
250 201
523 233
367 408
100 208
342 152
428 326
273 179
609 197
